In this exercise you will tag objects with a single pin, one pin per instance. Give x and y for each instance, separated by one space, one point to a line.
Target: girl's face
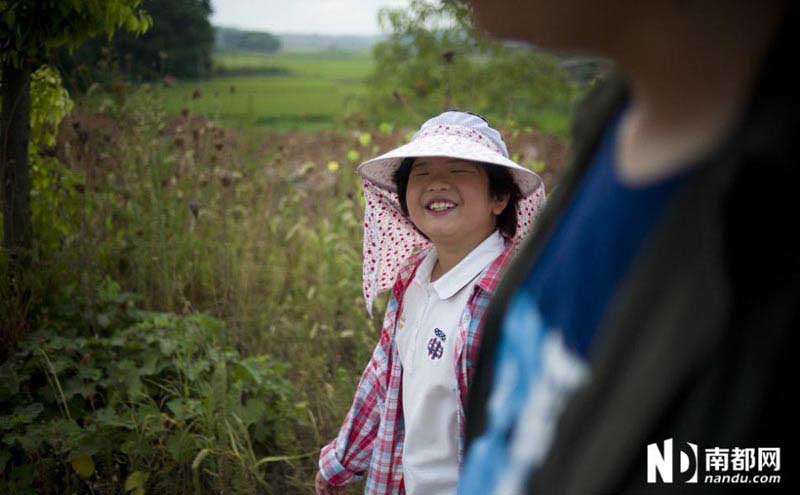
448 200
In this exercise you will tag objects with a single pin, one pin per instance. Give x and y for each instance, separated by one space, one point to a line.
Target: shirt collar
465 271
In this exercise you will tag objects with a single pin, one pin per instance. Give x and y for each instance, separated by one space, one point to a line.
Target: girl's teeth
441 206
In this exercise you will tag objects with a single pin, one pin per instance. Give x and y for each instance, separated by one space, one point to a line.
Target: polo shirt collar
465 271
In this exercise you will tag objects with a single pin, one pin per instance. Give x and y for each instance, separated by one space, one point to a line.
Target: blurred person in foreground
652 307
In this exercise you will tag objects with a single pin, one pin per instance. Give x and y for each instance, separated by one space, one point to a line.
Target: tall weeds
253 229
261 231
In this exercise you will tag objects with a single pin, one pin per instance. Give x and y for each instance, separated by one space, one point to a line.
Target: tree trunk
15 130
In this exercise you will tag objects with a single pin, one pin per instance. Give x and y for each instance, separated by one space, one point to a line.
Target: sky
302 16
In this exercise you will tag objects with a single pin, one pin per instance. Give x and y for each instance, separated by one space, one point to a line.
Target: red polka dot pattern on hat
461 132
451 141
390 238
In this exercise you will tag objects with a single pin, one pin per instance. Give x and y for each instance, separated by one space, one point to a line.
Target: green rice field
284 91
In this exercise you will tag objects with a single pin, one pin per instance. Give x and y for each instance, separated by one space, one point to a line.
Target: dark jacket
696 342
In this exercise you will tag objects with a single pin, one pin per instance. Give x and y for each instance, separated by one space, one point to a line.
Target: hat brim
380 170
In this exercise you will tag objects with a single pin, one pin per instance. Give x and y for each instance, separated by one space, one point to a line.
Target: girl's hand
325 488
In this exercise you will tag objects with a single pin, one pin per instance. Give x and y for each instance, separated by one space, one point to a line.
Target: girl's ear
499 204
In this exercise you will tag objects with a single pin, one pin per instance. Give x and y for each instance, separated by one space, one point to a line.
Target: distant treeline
328 42
229 39
237 40
180 43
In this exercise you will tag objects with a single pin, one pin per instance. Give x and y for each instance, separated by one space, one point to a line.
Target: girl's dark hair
501 183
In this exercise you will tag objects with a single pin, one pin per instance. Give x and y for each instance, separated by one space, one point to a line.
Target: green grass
283 91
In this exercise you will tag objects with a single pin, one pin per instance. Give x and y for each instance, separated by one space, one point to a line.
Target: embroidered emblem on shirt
435 347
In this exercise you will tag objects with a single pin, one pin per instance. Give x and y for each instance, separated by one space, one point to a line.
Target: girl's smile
448 200
437 205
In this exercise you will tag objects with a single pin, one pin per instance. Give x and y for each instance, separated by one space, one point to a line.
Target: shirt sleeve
347 457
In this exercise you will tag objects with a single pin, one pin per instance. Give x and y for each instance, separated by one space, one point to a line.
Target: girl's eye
460 171
420 174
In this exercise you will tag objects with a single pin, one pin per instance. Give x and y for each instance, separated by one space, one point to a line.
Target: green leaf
56 343
89 373
167 346
184 409
108 417
149 365
9 381
61 363
32 440
9 17
109 290
386 128
134 386
181 447
76 386
23 415
83 465
247 370
253 410
196 368
136 481
62 432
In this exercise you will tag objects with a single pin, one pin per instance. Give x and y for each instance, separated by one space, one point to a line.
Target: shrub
435 59
122 397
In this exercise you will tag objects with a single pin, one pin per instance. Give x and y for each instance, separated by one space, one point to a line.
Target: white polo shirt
426 337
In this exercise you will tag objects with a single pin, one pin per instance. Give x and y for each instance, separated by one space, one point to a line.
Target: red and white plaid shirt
371 439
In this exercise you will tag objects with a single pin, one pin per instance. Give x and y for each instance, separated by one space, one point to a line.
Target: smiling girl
443 216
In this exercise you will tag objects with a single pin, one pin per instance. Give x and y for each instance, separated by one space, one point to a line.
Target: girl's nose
438 181
437 184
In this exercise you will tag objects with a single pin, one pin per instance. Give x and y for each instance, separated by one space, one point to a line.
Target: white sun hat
452 134
390 237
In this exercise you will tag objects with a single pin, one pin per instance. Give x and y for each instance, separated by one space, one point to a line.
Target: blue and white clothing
548 329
